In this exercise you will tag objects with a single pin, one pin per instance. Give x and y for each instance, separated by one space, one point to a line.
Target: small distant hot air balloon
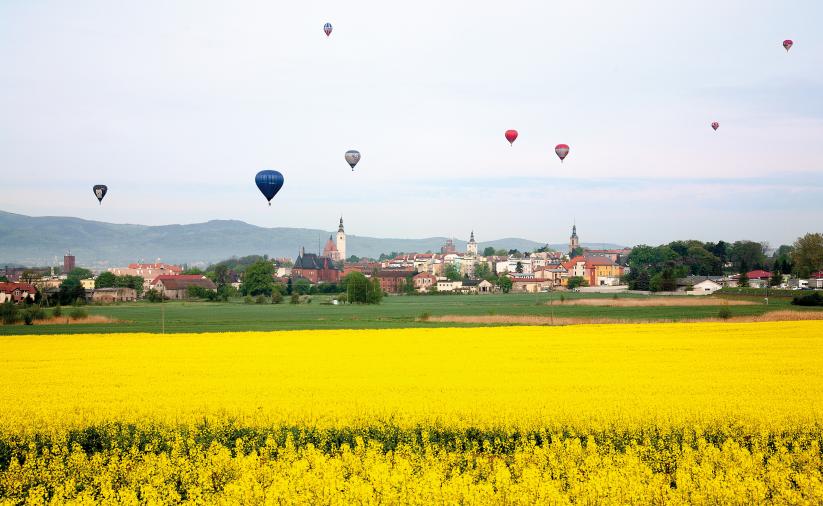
715 125
562 150
269 182
327 28
511 136
100 191
787 44
352 157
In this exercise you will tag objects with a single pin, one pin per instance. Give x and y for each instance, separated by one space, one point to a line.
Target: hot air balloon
100 191
787 44
327 28
715 125
511 136
269 182
562 150
352 157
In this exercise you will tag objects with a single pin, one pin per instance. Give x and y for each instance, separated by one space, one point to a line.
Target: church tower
341 241
574 241
471 247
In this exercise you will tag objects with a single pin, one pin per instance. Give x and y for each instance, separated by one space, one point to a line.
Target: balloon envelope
715 125
788 44
511 135
562 150
269 182
352 157
327 28
100 191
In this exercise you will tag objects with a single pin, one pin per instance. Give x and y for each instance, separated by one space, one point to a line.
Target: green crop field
395 311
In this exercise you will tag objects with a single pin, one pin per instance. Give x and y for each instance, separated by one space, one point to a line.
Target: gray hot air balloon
352 157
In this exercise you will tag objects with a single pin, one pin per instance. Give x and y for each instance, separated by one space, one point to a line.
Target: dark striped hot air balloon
100 191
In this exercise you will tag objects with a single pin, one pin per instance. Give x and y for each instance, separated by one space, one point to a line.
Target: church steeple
340 228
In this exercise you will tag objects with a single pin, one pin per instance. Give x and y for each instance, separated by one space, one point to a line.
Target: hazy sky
176 105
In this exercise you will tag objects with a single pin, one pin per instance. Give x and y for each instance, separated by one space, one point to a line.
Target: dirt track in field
774 316
671 301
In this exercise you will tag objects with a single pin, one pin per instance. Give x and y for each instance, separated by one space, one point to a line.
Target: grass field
625 414
394 312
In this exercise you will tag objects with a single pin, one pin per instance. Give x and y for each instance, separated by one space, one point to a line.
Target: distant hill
37 240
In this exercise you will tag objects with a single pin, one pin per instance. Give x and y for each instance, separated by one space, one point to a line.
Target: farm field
393 312
632 413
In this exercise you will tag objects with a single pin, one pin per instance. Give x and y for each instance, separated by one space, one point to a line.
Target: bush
154 296
28 317
424 316
295 299
562 298
37 313
812 299
9 313
248 300
57 311
724 313
276 298
261 299
78 313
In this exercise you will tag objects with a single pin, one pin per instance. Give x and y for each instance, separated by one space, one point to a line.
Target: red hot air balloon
511 136
715 125
562 150
787 44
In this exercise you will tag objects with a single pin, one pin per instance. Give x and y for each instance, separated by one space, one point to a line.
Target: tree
127 281
777 278
576 252
361 290
258 279
80 273
4 279
519 267
482 270
576 281
743 280
105 280
452 272
808 254
505 284
193 270
28 276
221 275
353 259
749 252
302 286
501 253
71 290
488 251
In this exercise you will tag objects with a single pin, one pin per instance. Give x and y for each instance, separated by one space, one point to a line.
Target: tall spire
471 239
340 228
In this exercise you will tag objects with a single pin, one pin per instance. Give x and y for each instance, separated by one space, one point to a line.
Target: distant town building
147 271
315 268
68 263
177 286
16 292
574 241
109 295
330 251
424 281
341 240
393 281
471 247
448 248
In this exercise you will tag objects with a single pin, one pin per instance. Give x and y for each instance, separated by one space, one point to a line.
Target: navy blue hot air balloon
100 191
269 182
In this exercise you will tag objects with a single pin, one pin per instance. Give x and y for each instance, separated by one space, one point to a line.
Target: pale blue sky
176 105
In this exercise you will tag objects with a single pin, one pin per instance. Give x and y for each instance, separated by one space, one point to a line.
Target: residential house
87 284
486 286
470 285
16 292
315 269
109 295
424 281
445 285
147 271
393 281
530 285
816 280
757 279
699 285
177 286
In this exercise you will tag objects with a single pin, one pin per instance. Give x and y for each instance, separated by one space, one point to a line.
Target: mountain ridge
37 240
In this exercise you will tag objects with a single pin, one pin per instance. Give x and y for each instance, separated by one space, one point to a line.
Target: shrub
812 299
154 296
78 313
276 298
424 317
562 298
261 299
248 300
28 317
37 313
57 311
724 313
9 313
295 299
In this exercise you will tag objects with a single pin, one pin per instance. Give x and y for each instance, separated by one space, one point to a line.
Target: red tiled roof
818 275
599 261
177 277
10 287
758 274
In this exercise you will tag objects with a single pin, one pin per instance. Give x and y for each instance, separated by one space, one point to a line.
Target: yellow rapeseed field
625 414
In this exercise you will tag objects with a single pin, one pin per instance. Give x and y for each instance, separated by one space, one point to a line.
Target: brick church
322 269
